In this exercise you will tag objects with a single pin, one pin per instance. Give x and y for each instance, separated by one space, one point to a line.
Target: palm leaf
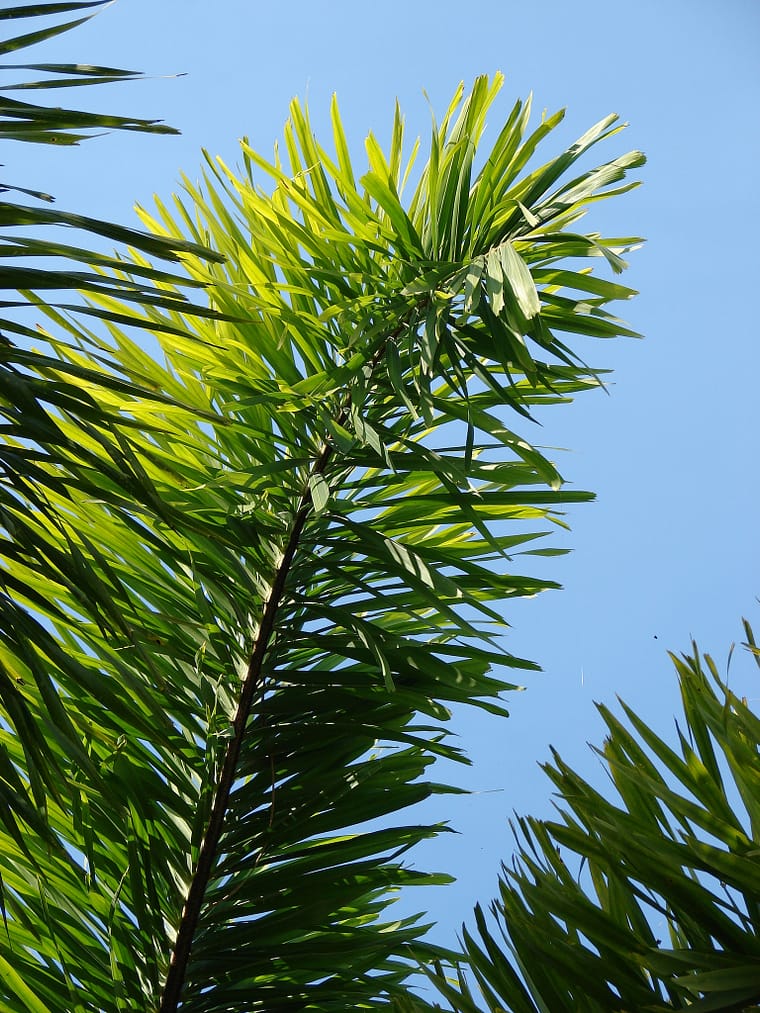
650 902
31 395
33 122
264 583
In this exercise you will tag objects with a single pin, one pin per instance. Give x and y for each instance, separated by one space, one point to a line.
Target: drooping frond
261 589
31 397
29 121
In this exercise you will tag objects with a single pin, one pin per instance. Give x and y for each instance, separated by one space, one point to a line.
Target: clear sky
670 549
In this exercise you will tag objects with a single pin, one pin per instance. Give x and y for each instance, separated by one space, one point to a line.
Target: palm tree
649 902
248 582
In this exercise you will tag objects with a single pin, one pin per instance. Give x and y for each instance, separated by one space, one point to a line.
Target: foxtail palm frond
650 901
31 122
263 591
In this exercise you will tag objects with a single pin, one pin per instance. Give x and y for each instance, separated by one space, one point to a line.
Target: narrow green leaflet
518 277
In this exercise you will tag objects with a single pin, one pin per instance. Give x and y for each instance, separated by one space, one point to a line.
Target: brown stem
175 978
177 973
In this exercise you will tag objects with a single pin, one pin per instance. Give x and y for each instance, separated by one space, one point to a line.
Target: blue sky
670 548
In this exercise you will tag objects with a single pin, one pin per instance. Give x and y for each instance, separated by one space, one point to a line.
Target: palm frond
42 124
647 902
253 596
31 395
27 121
